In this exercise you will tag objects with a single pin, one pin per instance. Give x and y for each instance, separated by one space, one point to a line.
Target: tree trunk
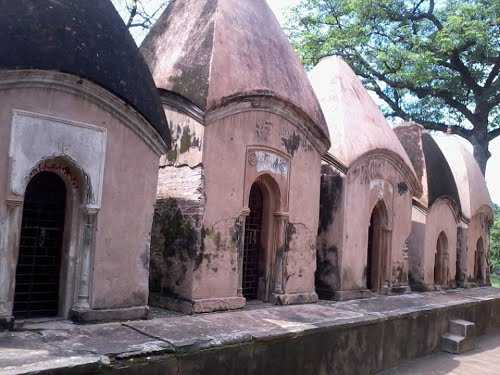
481 151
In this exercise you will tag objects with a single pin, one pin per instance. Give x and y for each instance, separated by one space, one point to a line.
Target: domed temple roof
471 184
430 164
352 116
445 168
211 51
87 39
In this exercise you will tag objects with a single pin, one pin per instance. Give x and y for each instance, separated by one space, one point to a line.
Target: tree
495 240
433 62
140 13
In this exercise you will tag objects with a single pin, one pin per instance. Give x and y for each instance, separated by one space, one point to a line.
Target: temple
206 171
367 186
237 211
77 130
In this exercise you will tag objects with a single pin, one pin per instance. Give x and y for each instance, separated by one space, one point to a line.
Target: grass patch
495 281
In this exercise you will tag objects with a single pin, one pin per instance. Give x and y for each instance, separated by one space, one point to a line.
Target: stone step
463 328
456 344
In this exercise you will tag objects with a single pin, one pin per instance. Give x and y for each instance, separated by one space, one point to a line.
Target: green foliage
436 63
495 240
495 281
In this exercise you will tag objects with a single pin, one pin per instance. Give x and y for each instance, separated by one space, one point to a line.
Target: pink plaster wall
368 182
121 261
225 161
478 228
440 218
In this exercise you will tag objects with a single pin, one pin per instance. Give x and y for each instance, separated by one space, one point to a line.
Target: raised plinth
197 306
353 337
109 315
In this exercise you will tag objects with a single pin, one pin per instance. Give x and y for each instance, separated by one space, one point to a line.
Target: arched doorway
39 262
377 248
478 261
259 268
253 256
441 261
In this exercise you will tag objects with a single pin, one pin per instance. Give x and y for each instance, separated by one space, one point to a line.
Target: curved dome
85 38
430 164
471 185
352 116
211 50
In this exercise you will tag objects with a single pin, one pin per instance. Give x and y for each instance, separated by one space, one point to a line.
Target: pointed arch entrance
259 252
40 249
378 248
478 261
441 261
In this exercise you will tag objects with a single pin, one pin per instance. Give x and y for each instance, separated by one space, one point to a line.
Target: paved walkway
62 344
484 360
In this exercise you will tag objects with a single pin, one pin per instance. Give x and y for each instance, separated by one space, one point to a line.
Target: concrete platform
352 337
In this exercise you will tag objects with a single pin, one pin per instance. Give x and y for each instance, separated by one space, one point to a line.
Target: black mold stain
291 143
188 140
402 188
174 245
330 192
236 233
415 284
327 277
145 260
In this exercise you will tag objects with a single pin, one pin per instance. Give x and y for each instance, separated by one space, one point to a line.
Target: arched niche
77 241
441 266
378 251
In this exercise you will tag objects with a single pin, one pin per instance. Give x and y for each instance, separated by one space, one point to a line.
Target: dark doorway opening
38 267
441 261
253 252
478 261
377 248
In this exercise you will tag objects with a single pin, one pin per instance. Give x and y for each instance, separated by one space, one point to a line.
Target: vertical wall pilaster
87 249
280 244
241 249
9 250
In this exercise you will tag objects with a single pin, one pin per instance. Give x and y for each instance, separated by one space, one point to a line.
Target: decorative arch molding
487 212
395 161
82 146
77 86
76 152
270 169
74 176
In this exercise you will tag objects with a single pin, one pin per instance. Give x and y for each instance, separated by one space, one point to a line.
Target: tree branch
493 74
132 13
398 111
445 95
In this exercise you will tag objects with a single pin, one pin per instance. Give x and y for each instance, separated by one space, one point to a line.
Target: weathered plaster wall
177 226
416 249
370 180
120 264
477 229
440 218
177 229
187 140
330 231
225 161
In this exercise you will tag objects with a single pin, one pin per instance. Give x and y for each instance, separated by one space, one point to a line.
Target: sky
279 7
